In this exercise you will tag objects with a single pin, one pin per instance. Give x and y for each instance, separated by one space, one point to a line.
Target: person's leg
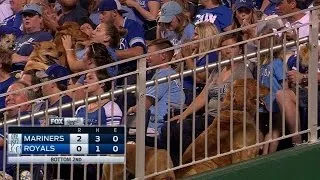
288 104
266 146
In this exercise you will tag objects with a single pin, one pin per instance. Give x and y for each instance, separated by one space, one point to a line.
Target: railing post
140 121
312 77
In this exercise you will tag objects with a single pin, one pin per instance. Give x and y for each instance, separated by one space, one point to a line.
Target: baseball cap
53 72
32 9
109 5
168 11
243 3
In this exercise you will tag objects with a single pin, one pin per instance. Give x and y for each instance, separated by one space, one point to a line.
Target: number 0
115 148
115 138
79 148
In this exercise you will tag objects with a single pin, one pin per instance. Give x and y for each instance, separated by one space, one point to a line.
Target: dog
238 134
43 55
68 28
7 41
152 156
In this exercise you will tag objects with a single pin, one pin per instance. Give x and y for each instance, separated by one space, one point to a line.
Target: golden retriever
43 55
238 131
68 28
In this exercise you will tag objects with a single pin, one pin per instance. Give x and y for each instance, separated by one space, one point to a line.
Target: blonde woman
202 31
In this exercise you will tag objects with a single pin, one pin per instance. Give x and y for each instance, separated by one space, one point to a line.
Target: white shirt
5 9
304 30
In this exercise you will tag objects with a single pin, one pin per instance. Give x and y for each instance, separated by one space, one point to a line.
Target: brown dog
43 54
7 41
68 28
238 132
152 157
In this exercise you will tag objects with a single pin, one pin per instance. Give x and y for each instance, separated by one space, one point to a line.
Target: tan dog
43 54
7 41
68 28
151 157
238 134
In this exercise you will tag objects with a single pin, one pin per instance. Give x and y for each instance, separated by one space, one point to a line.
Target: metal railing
141 89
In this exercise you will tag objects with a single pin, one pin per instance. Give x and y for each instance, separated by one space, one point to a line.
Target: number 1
97 149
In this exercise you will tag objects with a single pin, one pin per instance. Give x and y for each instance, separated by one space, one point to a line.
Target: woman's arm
74 64
150 15
16 58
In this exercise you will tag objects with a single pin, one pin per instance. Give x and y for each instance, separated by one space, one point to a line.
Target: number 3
97 138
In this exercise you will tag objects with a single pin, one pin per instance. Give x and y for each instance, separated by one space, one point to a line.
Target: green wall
302 162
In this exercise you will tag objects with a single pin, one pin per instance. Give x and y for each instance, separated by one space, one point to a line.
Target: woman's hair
103 74
235 36
266 43
205 30
99 54
115 34
183 22
5 60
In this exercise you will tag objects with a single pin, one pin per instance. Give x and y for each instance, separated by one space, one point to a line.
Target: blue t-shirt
106 114
160 94
134 37
277 79
23 45
12 25
3 89
9 167
200 61
144 4
270 9
292 64
220 16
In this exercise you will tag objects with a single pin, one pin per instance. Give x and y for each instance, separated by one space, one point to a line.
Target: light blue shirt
277 78
160 94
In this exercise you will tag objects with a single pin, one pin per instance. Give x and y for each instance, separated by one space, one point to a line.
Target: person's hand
132 110
249 31
131 3
66 42
294 77
178 118
186 51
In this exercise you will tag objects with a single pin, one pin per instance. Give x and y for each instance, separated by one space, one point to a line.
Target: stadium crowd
113 31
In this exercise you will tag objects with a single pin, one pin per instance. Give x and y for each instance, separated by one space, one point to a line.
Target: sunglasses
31 15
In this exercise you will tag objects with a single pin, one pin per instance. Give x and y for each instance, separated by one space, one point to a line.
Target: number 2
79 140
97 138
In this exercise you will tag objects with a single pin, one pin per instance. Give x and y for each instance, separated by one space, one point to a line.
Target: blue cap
32 9
168 11
55 71
243 3
109 5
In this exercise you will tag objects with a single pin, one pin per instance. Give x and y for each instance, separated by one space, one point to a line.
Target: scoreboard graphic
65 144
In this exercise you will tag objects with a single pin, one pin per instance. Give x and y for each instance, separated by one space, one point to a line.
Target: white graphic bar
66 159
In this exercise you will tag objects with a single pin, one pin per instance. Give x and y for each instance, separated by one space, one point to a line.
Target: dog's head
7 41
239 90
304 54
46 52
